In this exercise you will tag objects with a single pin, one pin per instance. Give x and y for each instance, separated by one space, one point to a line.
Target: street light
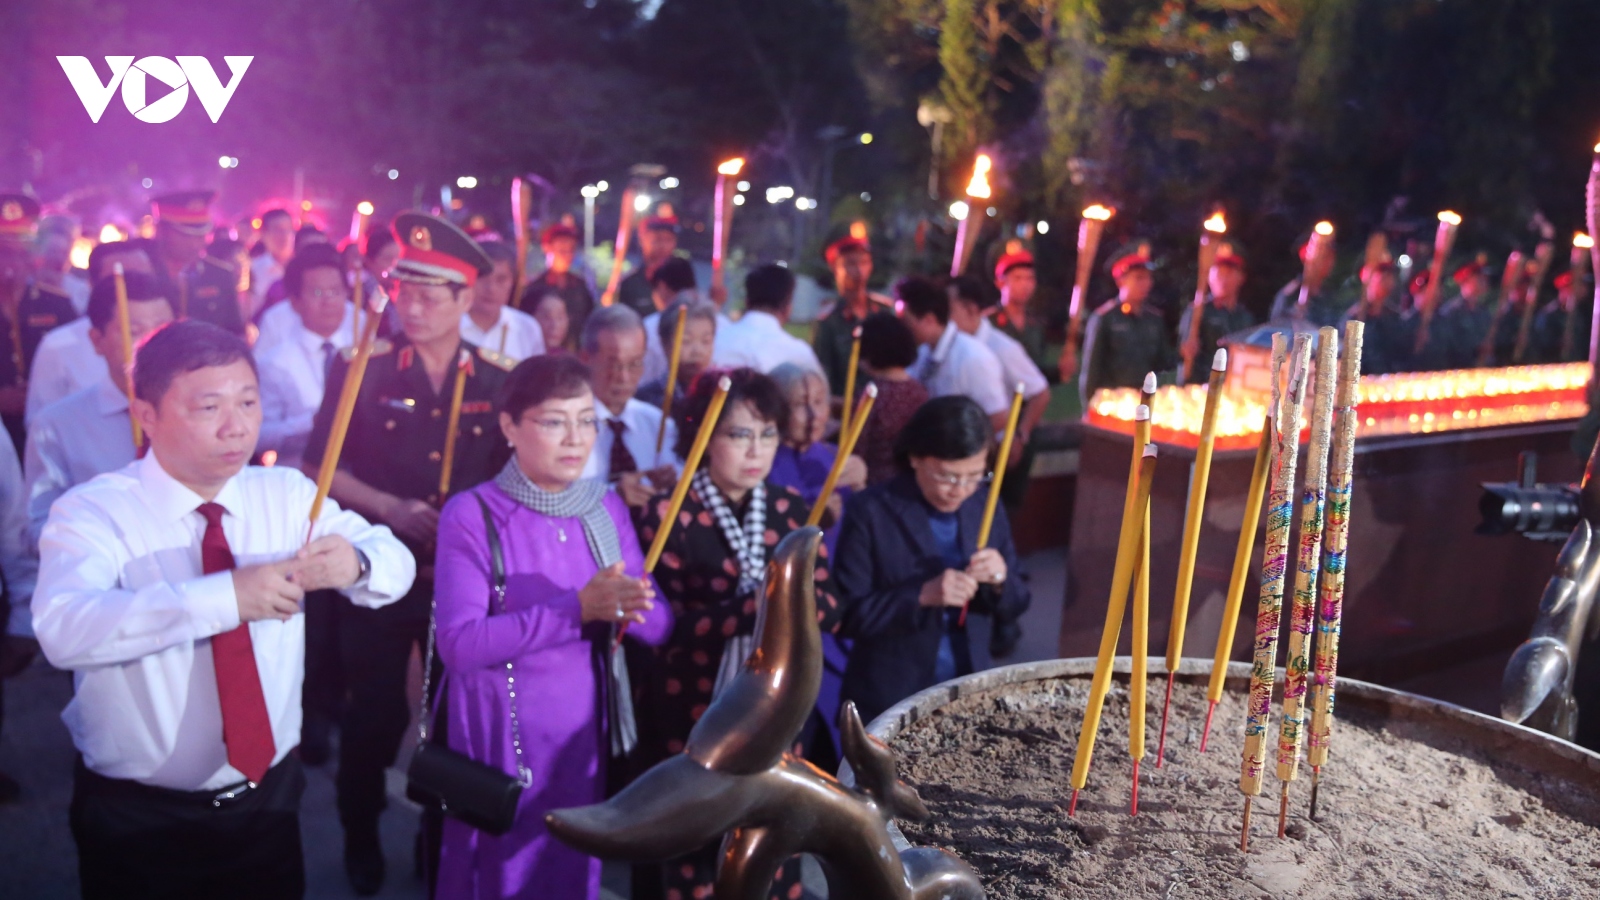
1043 227
641 202
466 182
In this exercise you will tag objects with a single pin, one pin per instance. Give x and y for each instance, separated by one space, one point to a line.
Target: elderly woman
573 573
699 337
712 572
804 460
908 560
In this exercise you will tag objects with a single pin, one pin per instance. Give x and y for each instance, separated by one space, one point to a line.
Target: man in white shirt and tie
971 301
490 322
625 450
277 238
81 436
758 339
295 369
66 361
950 361
171 588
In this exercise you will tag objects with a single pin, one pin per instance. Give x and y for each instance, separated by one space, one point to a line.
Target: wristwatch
364 565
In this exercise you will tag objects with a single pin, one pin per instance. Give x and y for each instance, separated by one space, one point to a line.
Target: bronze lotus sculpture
736 777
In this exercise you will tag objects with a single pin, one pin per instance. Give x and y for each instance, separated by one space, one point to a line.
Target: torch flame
1216 224
858 230
364 207
1450 218
1099 213
109 234
978 187
731 167
1324 228
1582 241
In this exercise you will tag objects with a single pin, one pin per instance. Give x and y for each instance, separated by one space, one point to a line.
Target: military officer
391 471
28 309
1390 337
1222 313
850 258
1016 279
1561 331
1321 307
1462 324
1126 337
658 240
203 288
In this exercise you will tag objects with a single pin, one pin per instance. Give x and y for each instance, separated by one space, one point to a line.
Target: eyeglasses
747 437
554 426
961 481
324 294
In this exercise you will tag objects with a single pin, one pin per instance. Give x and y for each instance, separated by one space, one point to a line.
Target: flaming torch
521 209
977 189
358 220
1211 231
1582 245
1443 240
1321 242
723 213
1090 228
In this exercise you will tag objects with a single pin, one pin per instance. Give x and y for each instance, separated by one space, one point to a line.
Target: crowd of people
509 450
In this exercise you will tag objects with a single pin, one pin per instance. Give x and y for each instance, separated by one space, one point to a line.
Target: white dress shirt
960 364
758 340
265 271
17 560
522 335
122 602
70 442
641 421
293 372
1015 364
64 364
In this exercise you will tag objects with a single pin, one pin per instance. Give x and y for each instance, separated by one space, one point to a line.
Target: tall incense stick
992 502
346 407
1330 608
1254 494
125 325
1269 612
847 446
452 426
690 466
1191 536
672 376
850 378
1139 655
1303 611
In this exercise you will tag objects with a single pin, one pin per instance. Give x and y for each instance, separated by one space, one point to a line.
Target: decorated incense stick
1090 228
620 256
847 446
722 222
1211 232
1303 609
850 378
1330 606
690 466
1443 240
1139 655
1191 536
1137 499
966 231
672 376
453 424
347 404
1241 571
993 501
1275 564
126 327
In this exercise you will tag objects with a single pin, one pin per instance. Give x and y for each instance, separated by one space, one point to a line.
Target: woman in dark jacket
907 560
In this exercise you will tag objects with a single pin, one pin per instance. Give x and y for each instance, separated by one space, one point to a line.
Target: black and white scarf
584 500
749 546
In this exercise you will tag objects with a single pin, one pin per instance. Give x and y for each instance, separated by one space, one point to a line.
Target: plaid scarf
749 546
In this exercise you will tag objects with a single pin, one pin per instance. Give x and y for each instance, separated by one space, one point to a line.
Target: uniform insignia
42 320
498 360
207 292
476 406
379 348
421 238
403 361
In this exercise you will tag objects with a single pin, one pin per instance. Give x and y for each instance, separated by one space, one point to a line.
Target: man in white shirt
66 361
172 589
277 236
758 339
971 301
19 565
949 360
490 322
671 282
625 449
89 433
294 370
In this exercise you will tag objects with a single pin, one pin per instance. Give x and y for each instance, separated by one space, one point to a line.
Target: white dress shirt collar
941 349
109 399
342 337
171 499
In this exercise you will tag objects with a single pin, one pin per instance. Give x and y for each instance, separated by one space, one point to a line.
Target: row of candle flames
1317 572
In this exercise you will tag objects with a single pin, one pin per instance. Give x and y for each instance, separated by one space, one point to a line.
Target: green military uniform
1560 336
1216 323
835 332
1323 307
1033 339
1388 340
206 289
41 309
1459 329
634 293
1120 346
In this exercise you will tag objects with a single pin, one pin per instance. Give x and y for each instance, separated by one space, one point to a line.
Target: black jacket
885 553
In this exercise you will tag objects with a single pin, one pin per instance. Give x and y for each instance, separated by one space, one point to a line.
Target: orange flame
1582 241
1324 228
1450 217
1217 224
731 167
1099 213
364 207
978 187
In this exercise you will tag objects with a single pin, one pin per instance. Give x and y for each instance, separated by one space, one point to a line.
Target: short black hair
950 427
223 249
676 274
748 386
539 378
769 287
312 256
103 299
976 291
309 234
922 297
377 240
183 347
887 342
499 251
97 256
668 323
275 213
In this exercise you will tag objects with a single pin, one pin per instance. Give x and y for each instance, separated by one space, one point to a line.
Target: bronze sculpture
737 778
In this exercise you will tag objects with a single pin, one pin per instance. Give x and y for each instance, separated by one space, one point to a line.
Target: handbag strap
497 572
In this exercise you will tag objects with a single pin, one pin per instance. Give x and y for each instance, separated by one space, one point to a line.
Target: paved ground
38 861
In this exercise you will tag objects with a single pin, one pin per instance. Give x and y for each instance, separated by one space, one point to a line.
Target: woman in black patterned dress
711 571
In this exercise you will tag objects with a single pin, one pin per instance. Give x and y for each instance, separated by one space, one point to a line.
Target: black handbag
480 795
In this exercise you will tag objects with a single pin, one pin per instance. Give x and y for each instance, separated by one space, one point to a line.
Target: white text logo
134 77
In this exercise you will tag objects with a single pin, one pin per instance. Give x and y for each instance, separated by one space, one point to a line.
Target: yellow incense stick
847 446
453 424
672 376
1140 655
347 404
690 466
126 326
850 380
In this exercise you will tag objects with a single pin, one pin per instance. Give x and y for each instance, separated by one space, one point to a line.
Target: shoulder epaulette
218 263
380 346
879 299
498 360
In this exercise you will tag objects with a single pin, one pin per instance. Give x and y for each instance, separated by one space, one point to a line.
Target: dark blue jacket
885 554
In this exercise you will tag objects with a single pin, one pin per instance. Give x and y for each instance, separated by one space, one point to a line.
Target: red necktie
622 461
246 729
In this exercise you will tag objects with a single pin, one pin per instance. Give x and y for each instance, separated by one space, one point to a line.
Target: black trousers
375 651
136 841
323 696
